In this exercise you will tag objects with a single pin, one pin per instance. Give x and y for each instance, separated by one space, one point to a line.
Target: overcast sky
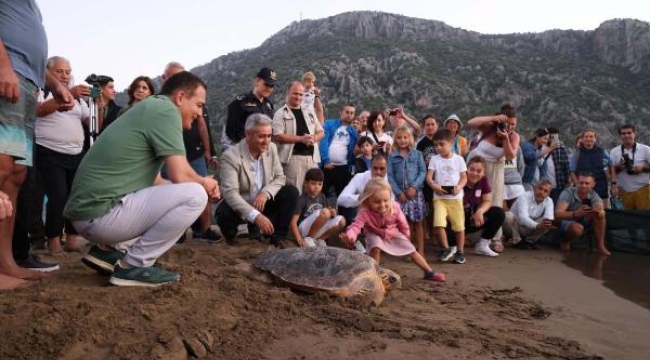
125 39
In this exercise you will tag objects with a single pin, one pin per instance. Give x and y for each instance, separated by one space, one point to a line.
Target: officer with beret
256 101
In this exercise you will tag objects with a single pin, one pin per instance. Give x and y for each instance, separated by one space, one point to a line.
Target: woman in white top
376 126
498 143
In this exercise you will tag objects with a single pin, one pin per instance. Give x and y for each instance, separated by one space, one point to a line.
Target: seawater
627 275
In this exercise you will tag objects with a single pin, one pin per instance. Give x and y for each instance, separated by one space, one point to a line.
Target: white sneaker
483 248
309 242
358 246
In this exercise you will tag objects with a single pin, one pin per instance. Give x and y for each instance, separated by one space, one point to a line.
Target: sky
125 39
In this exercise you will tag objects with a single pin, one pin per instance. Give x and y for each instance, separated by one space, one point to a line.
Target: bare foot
54 246
11 283
565 246
25 274
497 246
73 247
604 251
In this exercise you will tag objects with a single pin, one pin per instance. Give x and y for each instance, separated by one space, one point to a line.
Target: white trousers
155 216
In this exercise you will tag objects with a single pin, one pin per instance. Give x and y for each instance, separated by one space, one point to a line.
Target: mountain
564 78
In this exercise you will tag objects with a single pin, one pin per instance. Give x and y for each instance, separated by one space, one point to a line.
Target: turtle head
390 279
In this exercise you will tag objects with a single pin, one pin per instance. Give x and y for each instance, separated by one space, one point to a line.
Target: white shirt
385 137
627 182
258 170
62 131
350 195
308 100
529 212
338 150
446 172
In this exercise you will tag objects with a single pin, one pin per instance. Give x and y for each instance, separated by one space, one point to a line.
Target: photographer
632 166
499 142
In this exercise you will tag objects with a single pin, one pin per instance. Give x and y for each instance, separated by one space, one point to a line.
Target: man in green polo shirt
118 194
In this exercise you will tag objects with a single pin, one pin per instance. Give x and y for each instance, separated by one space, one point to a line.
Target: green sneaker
151 276
102 261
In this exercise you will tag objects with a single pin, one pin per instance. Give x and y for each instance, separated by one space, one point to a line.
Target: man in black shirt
199 151
297 132
244 105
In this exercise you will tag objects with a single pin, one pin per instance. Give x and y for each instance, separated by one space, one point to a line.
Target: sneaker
209 235
309 242
483 248
150 276
358 246
459 257
102 261
434 276
34 263
446 254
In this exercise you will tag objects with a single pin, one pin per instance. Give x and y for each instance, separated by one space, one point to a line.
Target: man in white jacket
530 217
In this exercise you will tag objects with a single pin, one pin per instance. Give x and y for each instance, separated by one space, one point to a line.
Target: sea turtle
335 271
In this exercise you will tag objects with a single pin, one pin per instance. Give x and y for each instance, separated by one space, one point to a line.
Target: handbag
617 203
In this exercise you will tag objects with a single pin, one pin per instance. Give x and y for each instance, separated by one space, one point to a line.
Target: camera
95 82
392 112
629 166
502 126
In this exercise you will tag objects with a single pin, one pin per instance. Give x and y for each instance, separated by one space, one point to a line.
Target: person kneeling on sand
118 193
385 227
253 184
530 217
581 208
314 221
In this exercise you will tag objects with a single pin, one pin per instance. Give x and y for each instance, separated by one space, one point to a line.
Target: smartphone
586 202
555 138
448 189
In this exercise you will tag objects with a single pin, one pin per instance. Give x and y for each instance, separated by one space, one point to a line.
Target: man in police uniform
244 105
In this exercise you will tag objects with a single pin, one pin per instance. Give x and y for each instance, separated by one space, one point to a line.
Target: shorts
306 224
200 166
17 124
452 208
564 225
511 192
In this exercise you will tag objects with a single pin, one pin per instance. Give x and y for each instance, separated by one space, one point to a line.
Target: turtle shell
337 271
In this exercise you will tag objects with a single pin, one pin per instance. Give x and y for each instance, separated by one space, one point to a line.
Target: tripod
95 93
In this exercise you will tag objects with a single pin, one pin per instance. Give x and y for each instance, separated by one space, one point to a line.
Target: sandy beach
523 305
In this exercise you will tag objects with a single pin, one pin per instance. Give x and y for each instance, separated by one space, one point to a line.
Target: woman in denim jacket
406 173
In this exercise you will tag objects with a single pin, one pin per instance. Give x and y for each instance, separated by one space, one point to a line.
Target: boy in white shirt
311 98
530 217
447 177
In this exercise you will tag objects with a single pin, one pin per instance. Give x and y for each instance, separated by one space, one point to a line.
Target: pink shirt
384 226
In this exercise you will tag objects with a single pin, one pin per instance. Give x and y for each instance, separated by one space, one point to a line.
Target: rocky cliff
565 78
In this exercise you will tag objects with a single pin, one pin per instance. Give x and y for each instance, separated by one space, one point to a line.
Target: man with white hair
254 186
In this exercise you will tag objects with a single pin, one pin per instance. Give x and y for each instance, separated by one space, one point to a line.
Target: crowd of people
375 182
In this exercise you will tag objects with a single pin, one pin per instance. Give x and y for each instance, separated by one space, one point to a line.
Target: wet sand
525 304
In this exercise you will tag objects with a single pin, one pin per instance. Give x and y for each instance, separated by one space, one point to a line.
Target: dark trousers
494 218
279 210
349 214
57 172
339 177
29 222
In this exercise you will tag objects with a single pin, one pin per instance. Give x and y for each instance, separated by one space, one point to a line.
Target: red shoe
434 276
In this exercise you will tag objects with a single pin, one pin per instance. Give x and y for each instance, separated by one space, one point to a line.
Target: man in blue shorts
23 54
580 208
